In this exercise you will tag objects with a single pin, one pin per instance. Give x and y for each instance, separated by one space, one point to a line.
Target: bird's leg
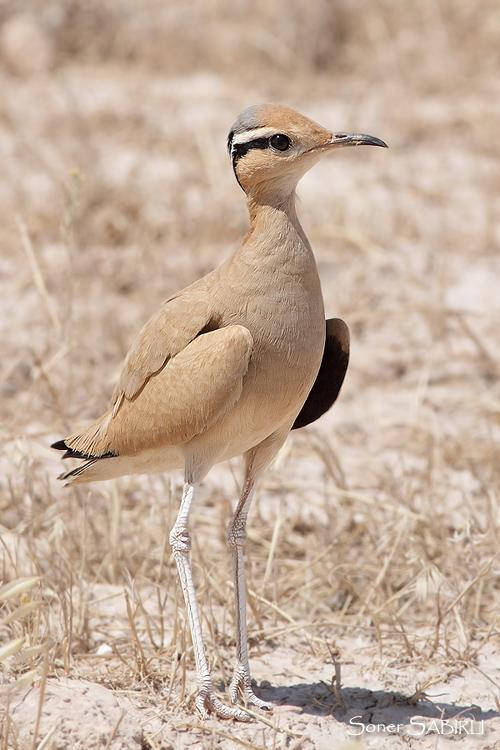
180 541
241 682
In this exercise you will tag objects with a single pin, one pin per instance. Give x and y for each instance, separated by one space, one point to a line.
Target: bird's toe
241 688
207 703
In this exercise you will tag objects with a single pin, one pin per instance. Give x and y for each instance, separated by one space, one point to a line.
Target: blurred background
116 191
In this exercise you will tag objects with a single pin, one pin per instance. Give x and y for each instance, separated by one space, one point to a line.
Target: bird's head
272 147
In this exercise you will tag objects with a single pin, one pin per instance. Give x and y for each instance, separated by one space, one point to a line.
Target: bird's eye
280 142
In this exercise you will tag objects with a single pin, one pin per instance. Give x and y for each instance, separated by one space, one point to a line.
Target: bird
230 365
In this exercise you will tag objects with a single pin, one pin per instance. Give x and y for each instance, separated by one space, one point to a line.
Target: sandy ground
373 543
377 711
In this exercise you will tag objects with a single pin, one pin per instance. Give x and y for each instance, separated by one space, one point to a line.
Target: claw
207 702
241 687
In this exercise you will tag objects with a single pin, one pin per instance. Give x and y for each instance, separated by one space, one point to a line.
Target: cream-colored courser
231 364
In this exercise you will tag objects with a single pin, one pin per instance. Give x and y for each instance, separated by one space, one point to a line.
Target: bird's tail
80 475
88 447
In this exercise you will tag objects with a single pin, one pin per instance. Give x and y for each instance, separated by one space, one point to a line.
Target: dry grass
384 520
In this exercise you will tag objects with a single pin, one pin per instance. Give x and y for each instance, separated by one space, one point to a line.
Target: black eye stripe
240 149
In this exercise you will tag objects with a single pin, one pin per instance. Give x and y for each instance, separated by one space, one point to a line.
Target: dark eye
280 142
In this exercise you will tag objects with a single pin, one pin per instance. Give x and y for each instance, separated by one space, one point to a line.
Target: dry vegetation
374 542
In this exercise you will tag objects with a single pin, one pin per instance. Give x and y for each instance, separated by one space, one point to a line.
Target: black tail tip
60 446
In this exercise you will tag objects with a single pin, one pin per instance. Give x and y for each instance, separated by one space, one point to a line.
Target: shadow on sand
365 710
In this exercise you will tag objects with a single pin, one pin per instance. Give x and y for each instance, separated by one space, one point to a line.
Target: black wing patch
331 374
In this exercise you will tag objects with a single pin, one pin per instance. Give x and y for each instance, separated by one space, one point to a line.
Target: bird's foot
207 702
241 687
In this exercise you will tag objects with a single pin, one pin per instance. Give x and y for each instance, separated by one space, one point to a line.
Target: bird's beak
340 140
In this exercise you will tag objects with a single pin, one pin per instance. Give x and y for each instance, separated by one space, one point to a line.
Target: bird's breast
271 286
287 323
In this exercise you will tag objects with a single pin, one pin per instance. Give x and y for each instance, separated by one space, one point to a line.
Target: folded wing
178 379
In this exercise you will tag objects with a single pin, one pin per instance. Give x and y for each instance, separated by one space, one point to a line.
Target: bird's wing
178 321
331 374
182 399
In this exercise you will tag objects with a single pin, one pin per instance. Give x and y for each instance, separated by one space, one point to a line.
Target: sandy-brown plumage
207 362
229 365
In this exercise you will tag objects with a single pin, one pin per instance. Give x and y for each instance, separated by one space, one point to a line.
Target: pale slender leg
180 542
241 683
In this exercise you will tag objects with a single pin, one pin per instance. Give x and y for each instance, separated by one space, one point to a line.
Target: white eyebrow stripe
251 135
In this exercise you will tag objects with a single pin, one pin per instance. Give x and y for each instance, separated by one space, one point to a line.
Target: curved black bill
356 139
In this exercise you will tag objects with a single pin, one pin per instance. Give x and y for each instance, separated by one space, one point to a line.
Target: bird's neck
274 270
277 193
275 222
